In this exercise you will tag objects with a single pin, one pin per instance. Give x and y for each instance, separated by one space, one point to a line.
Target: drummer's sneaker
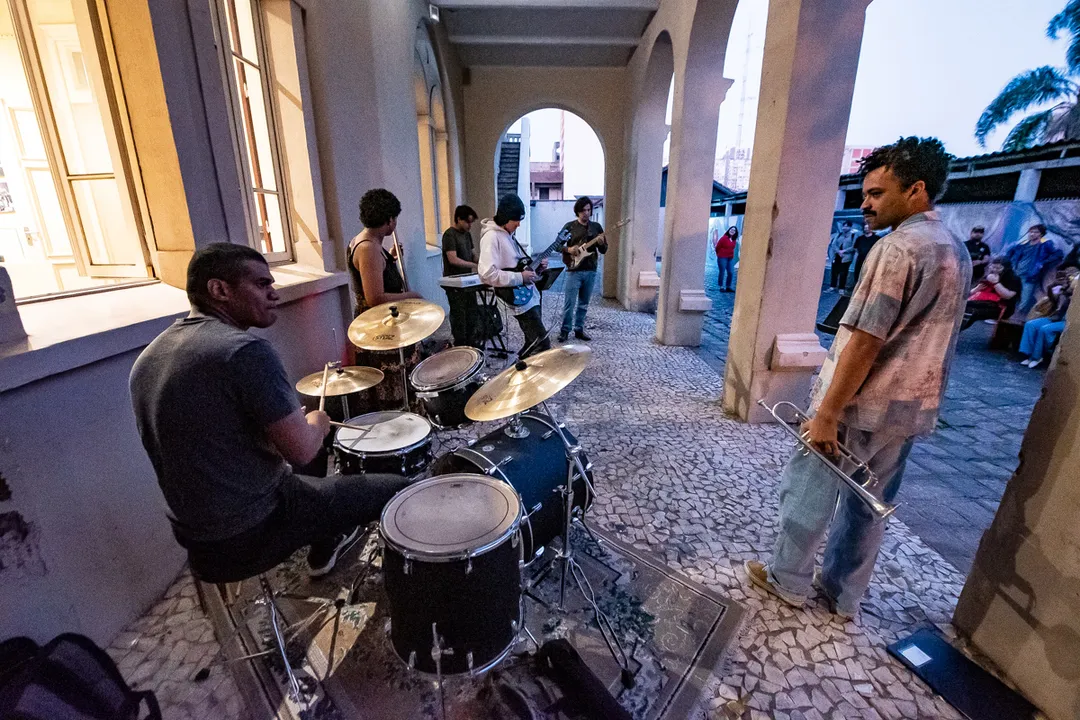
758 574
323 555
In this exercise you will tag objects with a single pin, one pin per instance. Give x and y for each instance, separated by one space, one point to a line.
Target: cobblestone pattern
955 478
165 649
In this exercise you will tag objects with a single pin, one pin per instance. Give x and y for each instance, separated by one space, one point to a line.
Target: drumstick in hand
322 395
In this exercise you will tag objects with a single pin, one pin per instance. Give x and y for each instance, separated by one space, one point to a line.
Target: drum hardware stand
395 313
437 653
516 429
566 554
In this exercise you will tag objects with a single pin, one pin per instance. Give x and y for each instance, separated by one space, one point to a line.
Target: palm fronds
1032 88
1028 131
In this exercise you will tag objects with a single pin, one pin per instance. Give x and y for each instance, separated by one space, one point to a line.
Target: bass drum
535 465
452 566
445 382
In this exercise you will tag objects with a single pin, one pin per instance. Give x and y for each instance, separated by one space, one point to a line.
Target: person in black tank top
375 279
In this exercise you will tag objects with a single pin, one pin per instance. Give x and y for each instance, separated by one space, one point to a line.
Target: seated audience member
223 427
1041 332
995 295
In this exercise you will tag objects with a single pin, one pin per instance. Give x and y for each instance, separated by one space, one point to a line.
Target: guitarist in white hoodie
499 254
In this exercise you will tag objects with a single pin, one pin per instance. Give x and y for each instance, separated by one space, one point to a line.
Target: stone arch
524 233
700 87
637 277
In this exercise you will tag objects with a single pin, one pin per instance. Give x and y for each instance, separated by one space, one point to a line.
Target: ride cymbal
340 381
528 382
395 324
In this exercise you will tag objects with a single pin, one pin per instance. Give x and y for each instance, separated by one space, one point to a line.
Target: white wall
548 218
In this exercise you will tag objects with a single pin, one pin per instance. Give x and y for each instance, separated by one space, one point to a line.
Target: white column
811 56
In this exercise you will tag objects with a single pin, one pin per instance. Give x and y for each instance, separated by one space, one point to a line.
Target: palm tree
1038 87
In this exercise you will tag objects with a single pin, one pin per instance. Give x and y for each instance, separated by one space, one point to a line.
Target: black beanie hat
510 208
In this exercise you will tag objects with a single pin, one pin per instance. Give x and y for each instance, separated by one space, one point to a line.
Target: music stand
548 278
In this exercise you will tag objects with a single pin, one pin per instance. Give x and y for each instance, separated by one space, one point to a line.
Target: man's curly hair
912 159
378 207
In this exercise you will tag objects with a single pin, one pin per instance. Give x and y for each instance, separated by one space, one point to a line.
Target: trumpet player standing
882 383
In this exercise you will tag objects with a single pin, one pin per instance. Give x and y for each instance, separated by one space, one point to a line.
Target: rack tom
445 381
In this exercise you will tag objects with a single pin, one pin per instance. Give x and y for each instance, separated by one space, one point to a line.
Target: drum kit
461 540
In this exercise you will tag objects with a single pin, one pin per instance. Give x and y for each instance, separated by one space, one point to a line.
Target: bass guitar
578 253
518 295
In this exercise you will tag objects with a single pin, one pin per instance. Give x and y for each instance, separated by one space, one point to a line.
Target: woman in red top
725 257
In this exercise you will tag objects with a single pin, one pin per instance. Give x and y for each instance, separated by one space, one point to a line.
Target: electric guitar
583 251
518 295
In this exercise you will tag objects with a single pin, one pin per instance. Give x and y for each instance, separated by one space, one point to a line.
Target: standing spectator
980 253
725 257
1041 332
1031 258
842 250
863 243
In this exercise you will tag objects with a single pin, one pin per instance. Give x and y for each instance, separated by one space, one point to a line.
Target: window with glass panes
240 21
70 216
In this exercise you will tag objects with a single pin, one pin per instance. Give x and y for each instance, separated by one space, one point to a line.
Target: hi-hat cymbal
395 324
528 382
340 381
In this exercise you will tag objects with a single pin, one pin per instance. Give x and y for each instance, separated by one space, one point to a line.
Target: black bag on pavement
70 678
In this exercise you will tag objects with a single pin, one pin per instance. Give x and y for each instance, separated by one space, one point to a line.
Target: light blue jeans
726 271
808 496
1039 335
577 291
1028 291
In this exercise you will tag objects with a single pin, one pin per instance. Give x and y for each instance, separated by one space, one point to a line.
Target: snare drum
390 441
535 465
445 381
452 567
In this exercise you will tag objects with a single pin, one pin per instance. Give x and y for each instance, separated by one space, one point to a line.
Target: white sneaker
1025 362
1035 363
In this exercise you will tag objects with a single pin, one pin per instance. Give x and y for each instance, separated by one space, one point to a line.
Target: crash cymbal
395 324
340 381
528 382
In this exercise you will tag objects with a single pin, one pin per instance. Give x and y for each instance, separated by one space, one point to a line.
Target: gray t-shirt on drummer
203 393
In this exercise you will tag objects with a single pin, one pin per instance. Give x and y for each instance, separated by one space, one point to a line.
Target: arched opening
432 139
550 158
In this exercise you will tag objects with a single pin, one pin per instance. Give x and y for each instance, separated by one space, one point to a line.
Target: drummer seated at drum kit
221 424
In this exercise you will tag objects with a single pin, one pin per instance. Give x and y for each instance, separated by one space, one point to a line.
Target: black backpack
70 678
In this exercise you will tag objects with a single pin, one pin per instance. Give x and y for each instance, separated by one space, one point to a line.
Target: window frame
241 151
100 62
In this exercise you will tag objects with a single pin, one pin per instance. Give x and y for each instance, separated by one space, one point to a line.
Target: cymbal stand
404 380
566 554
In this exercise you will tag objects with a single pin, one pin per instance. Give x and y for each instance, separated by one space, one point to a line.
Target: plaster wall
84 542
361 61
1021 603
497 96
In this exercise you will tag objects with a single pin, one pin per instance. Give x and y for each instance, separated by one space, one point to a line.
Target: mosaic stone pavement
955 478
676 478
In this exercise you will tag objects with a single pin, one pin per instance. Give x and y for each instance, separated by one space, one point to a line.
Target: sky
927 67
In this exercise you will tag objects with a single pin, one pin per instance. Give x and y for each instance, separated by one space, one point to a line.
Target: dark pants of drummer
310 511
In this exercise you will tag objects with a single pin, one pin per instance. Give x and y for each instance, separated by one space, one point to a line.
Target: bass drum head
446 369
382 432
450 517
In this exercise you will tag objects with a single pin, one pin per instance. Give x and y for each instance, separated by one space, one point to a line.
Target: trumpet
880 508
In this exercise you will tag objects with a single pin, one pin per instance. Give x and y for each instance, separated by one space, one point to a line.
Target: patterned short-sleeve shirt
911 295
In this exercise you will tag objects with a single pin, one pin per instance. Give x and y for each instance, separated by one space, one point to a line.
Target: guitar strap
521 249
